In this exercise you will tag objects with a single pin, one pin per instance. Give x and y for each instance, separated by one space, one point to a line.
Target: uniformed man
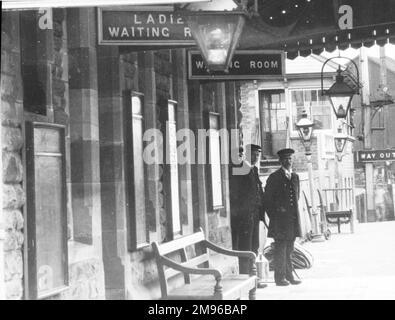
282 195
246 204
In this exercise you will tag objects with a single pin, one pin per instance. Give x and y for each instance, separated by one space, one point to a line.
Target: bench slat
180 243
194 262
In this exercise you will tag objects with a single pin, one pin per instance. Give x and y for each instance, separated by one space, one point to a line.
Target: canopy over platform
302 27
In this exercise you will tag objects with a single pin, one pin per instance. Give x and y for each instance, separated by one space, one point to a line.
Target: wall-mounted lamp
340 143
305 129
216 27
340 93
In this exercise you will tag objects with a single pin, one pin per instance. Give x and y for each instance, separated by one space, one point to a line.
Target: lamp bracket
244 6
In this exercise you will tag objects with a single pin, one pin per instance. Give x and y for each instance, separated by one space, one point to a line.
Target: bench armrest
235 253
204 271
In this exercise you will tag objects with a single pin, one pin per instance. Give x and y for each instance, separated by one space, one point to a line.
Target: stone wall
11 145
85 281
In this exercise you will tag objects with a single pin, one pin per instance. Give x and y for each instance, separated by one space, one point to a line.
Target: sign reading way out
244 65
375 155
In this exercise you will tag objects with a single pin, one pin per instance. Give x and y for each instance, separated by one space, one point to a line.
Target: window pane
139 183
297 105
49 231
215 168
281 119
174 169
266 113
318 108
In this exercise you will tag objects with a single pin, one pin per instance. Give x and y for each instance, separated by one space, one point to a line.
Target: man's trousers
282 259
247 239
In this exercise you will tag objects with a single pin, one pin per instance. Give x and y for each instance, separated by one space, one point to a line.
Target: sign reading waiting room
142 27
375 155
245 64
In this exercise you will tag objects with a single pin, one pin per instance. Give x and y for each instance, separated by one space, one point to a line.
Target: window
317 106
215 199
275 117
46 213
170 169
34 69
135 170
173 167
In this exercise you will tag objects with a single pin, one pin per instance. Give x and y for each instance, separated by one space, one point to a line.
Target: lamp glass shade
340 96
305 127
217 35
340 105
340 143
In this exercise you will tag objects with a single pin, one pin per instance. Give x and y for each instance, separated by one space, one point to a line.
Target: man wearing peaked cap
282 195
246 200
285 152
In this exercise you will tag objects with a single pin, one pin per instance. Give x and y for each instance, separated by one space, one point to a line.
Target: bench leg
338 225
252 294
352 222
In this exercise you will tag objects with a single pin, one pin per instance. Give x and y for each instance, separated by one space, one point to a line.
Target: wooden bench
335 217
209 283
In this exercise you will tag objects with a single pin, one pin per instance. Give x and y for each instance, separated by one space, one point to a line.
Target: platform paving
349 266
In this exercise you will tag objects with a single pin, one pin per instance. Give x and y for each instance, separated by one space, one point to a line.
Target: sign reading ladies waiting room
145 26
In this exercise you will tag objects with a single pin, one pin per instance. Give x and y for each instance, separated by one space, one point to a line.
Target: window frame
209 177
169 204
130 190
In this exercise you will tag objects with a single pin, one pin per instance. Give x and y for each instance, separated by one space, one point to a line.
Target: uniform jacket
243 195
281 202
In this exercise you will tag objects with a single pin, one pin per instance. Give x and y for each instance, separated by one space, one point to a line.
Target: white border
23 4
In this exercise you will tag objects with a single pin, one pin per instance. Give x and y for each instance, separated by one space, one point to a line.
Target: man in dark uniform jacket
282 195
246 204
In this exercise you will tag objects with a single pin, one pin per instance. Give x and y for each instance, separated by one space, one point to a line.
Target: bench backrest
178 245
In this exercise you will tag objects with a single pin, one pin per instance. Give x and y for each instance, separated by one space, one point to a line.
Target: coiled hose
301 258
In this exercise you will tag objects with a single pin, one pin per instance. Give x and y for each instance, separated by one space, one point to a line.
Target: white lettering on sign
263 64
125 32
346 18
235 64
45 20
150 19
154 32
378 155
200 64
187 32
136 20
165 32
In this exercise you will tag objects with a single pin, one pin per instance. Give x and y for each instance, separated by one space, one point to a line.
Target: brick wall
248 113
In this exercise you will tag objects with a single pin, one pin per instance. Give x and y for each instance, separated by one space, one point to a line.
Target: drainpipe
367 132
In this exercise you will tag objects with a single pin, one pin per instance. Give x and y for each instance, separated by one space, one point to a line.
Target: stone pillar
112 170
84 126
13 196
